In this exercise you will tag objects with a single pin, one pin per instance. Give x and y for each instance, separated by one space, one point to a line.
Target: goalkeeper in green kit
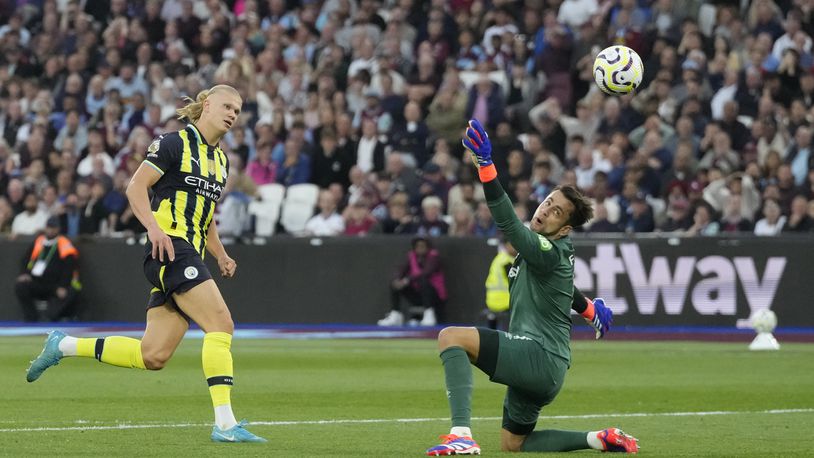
532 358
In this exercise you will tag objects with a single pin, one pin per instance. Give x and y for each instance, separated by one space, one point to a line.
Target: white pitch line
123 426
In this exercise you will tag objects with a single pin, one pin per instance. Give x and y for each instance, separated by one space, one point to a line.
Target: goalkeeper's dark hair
583 208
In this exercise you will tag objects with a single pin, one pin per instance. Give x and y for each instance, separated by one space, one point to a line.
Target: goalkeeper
532 358
497 295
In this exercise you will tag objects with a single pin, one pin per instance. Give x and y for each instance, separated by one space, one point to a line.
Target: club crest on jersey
153 148
545 244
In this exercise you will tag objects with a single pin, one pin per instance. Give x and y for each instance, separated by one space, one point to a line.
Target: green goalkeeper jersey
541 281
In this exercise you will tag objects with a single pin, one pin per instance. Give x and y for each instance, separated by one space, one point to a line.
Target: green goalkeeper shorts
534 376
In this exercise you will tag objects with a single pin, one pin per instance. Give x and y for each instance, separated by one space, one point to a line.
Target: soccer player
187 172
531 359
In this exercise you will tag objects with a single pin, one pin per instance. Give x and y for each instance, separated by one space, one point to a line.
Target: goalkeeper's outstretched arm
535 248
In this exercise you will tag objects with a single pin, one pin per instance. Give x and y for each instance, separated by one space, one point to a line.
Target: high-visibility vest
497 283
64 249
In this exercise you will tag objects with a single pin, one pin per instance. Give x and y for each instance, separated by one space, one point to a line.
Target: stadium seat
298 207
306 193
272 192
267 210
266 214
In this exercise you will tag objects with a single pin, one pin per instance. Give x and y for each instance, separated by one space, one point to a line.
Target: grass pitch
386 397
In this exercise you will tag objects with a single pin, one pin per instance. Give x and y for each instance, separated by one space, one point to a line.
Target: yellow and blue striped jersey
193 176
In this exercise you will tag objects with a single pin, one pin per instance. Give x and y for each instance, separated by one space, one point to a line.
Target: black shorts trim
518 429
488 351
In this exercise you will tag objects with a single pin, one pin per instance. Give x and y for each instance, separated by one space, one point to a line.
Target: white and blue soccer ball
764 320
618 70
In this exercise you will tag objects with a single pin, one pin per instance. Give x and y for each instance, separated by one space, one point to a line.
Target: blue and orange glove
598 315
477 142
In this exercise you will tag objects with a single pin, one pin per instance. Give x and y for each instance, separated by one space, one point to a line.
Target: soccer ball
618 70
764 320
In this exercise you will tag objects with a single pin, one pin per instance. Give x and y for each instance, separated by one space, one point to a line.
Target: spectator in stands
412 137
799 155
95 216
798 220
96 152
446 112
733 219
358 219
115 200
420 281
262 170
31 220
402 176
540 180
396 90
295 166
485 226
704 221
330 164
35 179
600 222
6 216
486 102
431 223
398 219
73 129
640 215
720 155
370 152
586 167
50 272
738 133
773 221
434 183
463 221
327 222
678 215
785 186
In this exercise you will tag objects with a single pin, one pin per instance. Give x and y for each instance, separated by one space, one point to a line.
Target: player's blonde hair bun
193 109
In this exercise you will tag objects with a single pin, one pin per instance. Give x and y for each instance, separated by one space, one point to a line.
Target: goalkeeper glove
598 315
477 142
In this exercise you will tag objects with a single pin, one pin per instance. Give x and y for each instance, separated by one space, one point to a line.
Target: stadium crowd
367 99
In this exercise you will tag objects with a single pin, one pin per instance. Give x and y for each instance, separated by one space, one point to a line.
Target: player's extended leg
534 377
164 331
548 440
458 346
551 440
204 305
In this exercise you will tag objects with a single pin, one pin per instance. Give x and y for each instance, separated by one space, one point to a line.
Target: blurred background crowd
366 100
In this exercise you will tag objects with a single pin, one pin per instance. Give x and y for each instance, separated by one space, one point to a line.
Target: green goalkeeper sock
458 376
552 440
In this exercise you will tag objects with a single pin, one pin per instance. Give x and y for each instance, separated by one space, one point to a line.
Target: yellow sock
86 347
217 366
115 350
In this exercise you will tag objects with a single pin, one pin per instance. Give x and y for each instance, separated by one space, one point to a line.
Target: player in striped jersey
187 172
